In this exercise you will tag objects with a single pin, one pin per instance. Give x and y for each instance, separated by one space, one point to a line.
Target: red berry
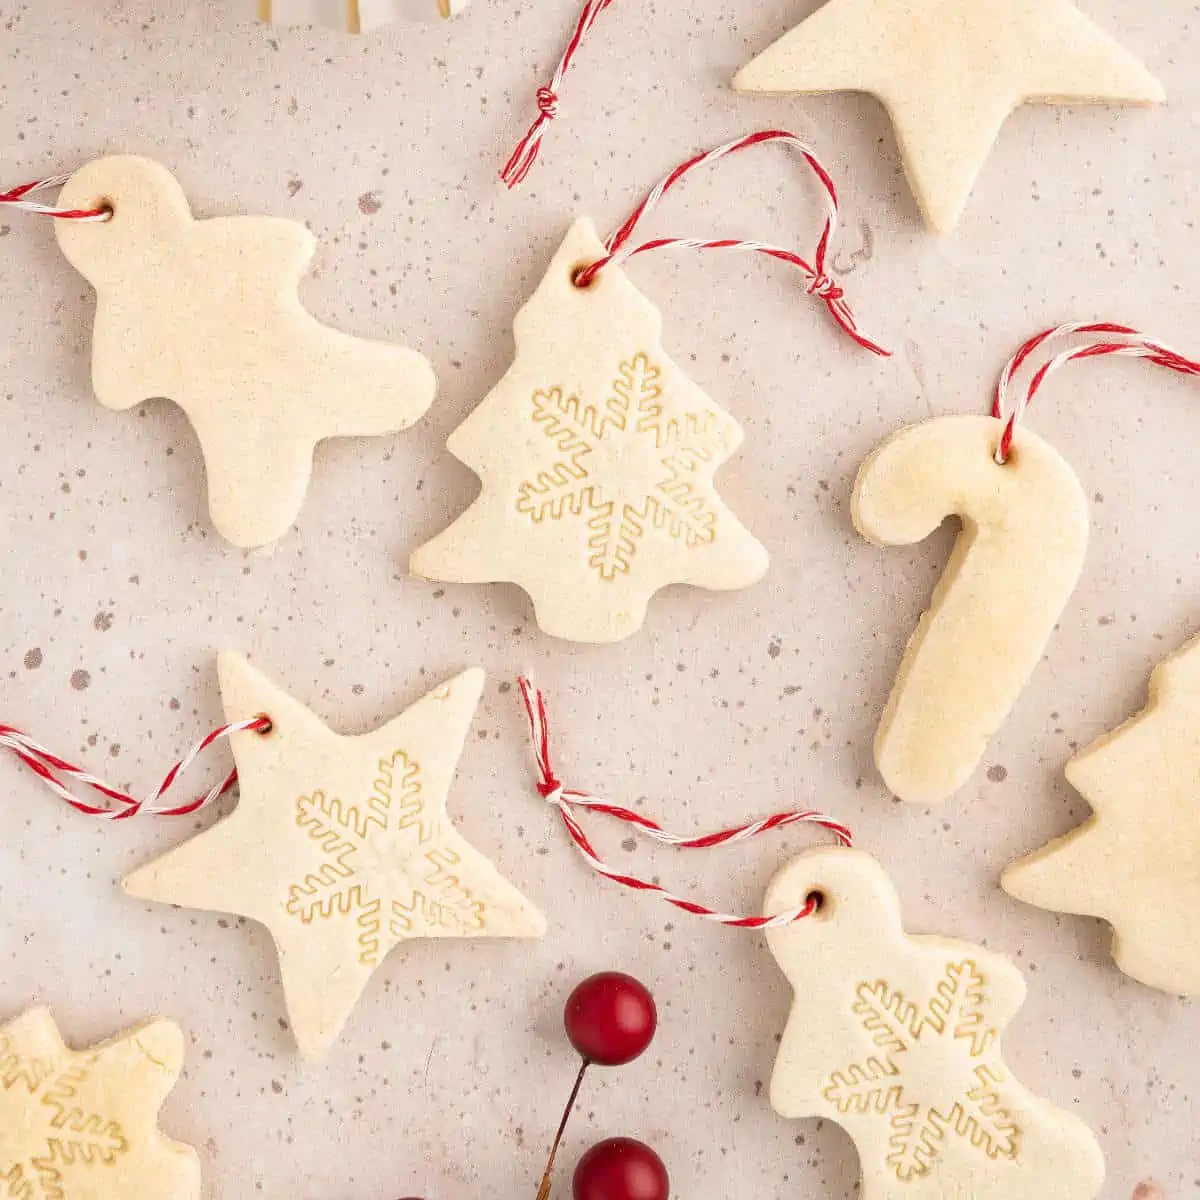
610 1019
621 1169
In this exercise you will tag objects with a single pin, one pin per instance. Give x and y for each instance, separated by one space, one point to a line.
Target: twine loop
571 804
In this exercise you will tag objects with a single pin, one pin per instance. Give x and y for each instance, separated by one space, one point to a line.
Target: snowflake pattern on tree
82 1125
39 1097
626 467
386 866
951 1030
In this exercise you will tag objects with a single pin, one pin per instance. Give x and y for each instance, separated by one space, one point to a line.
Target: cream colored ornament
597 456
341 846
950 72
897 1039
1014 566
1136 863
206 313
83 1125
351 16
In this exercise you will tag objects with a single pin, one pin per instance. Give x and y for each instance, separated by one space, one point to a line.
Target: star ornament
598 457
83 1125
1136 862
341 846
950 72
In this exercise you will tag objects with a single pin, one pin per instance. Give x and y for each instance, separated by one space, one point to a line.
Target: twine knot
551 790
547 102
824 288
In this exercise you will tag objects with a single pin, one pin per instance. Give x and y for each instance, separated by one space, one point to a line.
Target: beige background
117 594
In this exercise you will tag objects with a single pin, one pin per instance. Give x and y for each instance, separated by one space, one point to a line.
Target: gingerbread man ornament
897 1039
206 313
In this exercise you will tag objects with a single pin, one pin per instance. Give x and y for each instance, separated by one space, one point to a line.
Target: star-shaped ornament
597 456
341 846
1136 863
83 1125
950 72
898 1039
207 314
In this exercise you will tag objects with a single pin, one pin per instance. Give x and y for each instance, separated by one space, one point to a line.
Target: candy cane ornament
1016 563
570 803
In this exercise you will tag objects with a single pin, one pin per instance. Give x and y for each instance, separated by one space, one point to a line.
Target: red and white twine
571 804
121 806
621 247
1010 406
526 153
19 199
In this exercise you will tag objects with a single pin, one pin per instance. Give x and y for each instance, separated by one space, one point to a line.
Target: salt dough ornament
83 1125
1014 566
950 72
341 846
897 1039
1136 862
597 456
206 313
351 16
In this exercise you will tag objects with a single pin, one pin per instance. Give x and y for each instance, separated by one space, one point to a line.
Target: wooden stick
353 16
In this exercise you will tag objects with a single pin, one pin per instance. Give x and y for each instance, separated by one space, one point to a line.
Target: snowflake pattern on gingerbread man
898 1039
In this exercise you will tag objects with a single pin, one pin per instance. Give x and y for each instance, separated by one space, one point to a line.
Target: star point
949 73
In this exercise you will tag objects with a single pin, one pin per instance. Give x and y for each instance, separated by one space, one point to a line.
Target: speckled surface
117 594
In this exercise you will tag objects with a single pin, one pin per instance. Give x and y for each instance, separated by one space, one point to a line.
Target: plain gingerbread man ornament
1014 566
597 456
1136 863
897 1039
206 313
83 1125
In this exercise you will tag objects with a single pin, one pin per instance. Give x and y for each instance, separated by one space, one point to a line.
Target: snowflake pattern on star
40 1098
386 865
625 467
950 1036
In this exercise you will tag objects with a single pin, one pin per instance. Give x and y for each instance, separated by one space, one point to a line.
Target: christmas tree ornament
611 1020
572 804
1136 862
83 1125
621 1169
349 16
341 846
206 313
597 454
897 1039
1014 566
949 73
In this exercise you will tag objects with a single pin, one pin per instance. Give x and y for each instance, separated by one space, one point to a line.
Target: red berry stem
547 1178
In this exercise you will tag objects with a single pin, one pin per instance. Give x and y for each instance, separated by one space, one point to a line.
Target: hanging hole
106 206
577 273
267 729
819 904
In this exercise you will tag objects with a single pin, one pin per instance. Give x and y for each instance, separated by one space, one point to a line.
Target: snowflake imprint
625 468
37 1103
939 1071
387 865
